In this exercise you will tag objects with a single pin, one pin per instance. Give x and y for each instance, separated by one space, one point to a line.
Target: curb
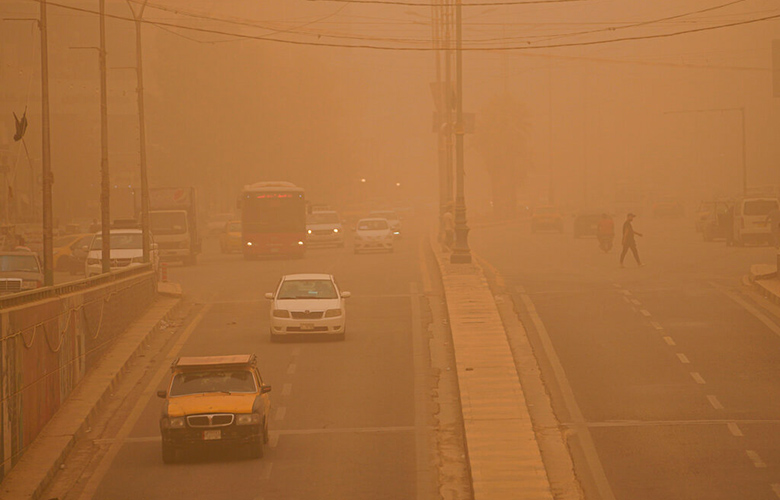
26 490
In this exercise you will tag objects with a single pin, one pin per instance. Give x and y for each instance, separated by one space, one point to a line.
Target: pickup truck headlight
173 423
281 313
247 419
332 313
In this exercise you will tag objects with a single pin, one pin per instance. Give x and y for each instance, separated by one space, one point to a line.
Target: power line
480 4
527 46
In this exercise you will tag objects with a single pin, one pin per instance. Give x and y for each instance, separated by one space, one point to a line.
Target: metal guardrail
17 299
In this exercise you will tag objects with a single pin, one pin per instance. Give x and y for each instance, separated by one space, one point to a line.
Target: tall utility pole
48 248
461 254
105 181
141 128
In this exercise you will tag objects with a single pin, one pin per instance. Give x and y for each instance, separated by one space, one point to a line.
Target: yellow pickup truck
214 401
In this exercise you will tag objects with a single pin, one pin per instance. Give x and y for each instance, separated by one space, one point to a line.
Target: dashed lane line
756 459
636 302
291 368
776 489
286 389
683 358
734 429
669 341
280 413
714 402
656 325
645 313
698 378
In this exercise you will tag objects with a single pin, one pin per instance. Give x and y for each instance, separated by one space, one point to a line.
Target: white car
392 218
308 304
126 250
324 228
373 234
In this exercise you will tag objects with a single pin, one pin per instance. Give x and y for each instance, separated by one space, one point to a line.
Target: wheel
168 453
265 431
256 449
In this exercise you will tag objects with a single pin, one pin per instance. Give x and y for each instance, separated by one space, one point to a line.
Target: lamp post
141 129
46 180
461 254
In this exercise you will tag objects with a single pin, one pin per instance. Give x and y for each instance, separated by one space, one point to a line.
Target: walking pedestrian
629 240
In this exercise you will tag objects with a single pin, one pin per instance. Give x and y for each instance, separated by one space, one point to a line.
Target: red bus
273 219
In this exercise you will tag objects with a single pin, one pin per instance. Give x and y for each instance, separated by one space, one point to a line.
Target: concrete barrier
50 338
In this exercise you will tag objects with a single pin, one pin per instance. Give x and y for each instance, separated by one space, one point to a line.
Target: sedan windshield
323 218
372 225
227 381
307 289
19 263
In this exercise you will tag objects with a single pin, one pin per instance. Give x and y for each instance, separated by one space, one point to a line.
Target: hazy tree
501 139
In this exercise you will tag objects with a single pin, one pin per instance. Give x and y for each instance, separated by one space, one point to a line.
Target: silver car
19 271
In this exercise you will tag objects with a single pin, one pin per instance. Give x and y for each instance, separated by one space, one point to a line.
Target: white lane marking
617 285
586 440
714 402
645 312
102 468
291 369
776 489
627 300
683 358
273 439
749 308
280 413
625 292
267 472
636 302
698 378
734 429
753 456
656 325
286 389
669 340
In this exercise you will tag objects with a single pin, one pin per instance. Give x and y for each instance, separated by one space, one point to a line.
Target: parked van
750 223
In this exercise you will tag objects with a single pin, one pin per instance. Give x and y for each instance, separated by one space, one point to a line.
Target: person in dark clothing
629 240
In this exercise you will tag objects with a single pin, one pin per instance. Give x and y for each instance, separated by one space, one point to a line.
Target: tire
168 453
266 437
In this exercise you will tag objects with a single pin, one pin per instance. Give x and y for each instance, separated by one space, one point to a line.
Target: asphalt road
666 376
349 419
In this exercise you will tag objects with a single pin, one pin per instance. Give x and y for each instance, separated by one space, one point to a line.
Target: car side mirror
265 389
162 394
269 296
346 295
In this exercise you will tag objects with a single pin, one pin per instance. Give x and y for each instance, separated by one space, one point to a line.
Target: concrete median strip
503 452
29 478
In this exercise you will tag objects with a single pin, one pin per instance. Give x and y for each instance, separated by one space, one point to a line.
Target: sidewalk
502 450
36 468
765 279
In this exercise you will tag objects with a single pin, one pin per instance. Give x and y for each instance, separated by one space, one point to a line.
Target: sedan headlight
281 313
247 419
332 313
173 423
336 230
30 284
93 262
308 231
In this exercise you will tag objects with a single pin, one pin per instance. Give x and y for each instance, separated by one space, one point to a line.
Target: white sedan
373 234
308 304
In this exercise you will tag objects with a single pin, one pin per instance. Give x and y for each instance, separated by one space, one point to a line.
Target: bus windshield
274 213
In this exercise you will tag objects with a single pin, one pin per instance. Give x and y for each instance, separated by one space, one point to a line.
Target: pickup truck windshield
168 222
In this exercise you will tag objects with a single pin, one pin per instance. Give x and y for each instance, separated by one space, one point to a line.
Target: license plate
307 326
212 435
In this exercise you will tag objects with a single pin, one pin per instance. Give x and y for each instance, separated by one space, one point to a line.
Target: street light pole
142 130
46 181
461 254
105 181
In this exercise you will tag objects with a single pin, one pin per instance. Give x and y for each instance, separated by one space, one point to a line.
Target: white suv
308 304
126 250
